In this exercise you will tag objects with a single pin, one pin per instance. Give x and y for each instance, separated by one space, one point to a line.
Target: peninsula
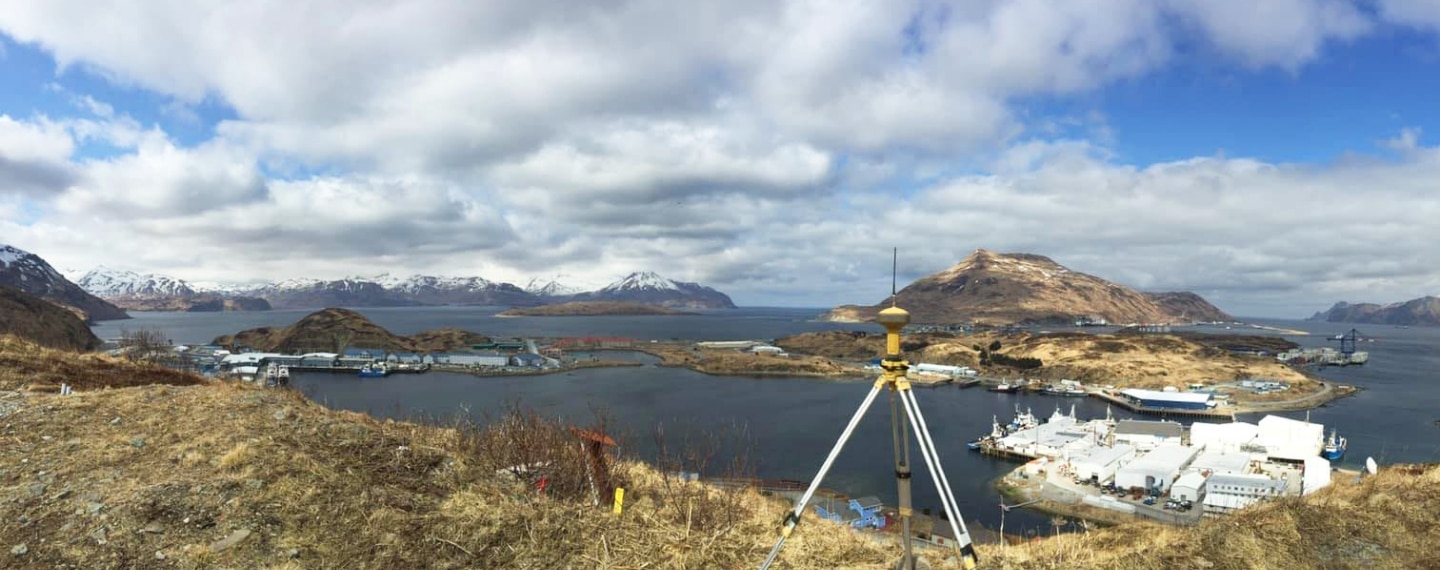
333 329
591 309
1012 288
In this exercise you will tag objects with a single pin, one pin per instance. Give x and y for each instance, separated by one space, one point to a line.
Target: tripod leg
942 484
899 431
793 518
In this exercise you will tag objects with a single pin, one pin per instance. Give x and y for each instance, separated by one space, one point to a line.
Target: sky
1275 156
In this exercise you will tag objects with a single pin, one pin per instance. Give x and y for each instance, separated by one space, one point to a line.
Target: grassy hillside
216 475
332 330
39 320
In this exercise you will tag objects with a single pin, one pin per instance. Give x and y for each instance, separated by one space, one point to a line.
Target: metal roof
1187 397
1146 427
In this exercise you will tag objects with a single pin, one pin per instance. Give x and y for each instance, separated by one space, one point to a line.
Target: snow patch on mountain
642 281
112 283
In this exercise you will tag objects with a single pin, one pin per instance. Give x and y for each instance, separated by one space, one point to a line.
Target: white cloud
775 149
34 157
1282 33
1414 13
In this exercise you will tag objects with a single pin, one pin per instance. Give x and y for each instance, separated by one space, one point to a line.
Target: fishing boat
1024 420
376 370
1006 387
1070 391
996 432
1334 447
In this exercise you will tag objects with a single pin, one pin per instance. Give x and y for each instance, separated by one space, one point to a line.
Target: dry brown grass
110 478
1382 522
24 364
732 362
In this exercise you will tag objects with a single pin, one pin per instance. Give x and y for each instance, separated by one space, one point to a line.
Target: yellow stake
619 500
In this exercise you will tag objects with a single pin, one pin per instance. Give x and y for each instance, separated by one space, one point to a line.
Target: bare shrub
713 507
144 344
551 457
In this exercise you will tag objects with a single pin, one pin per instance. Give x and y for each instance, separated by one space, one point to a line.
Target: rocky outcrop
1189 307
1424 311
996 289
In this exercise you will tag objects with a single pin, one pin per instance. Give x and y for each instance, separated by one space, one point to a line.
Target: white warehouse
1100 463
1228 492
1146 435
1291 440
1157 469
1223 437
1189 487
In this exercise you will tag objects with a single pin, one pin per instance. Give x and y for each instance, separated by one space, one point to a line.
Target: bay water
786 426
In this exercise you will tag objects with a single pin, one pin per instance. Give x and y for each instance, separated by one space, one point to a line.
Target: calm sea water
789 424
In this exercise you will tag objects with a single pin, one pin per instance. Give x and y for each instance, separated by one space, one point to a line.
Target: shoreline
540 371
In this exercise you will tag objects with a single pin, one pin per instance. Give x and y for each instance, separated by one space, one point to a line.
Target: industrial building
1157 469
1285 439
481 360
944 370
1189 487
1223 437
1211 462
1146 435
1172 400
1056 438
1316 475
1100 463
1228 492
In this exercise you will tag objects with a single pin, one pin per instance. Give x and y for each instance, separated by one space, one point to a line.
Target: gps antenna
894 269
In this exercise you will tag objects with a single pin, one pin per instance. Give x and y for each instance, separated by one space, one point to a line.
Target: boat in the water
996 432
1334 447
1025 420
376 370
1006 387
1069 391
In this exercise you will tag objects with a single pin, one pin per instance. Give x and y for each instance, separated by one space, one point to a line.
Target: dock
1225 413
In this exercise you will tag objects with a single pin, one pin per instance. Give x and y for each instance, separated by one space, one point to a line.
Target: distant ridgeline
1424 311
1019 288
153 292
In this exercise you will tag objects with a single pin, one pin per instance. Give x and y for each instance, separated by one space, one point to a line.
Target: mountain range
1023 288
153 292
1422 311
149 292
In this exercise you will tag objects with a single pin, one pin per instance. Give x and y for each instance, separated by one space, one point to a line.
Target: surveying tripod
907 412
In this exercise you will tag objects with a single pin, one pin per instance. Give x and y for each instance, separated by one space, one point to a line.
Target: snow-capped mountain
652 289
29 273
552 287
109 283
151 292
432 290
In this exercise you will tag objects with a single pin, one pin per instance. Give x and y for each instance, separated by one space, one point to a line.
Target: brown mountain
334 330
200 303
996 288
1189 307
42 322
29 273
1422 311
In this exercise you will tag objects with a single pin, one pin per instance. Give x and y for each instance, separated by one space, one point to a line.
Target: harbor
1159 470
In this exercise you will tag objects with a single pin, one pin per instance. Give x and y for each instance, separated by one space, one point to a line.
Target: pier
1225 413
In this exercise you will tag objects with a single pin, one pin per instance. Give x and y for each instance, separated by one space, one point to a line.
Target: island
591 309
